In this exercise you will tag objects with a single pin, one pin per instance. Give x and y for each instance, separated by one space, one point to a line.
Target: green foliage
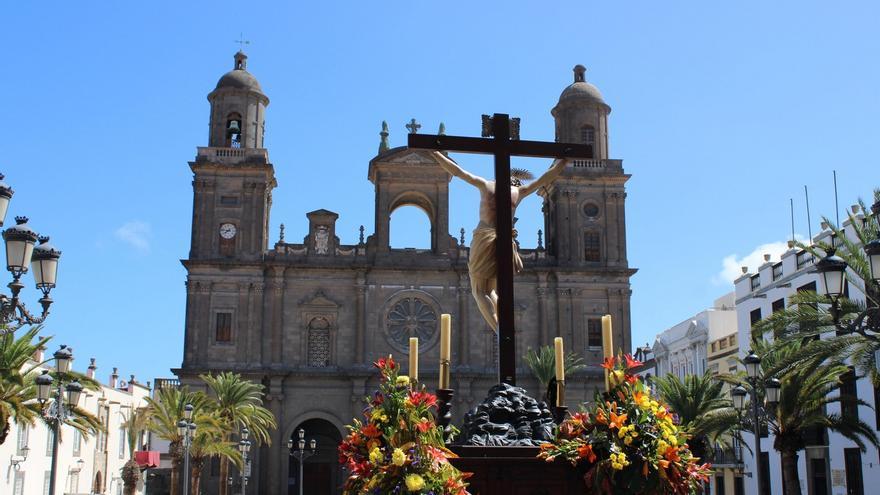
702 406
542 363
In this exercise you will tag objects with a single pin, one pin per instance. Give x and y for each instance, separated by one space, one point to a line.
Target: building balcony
232 155
725 456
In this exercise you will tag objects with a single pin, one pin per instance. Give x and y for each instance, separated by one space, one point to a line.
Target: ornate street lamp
22 253
186 429
64 401
301 453
244 446
832 271
771 390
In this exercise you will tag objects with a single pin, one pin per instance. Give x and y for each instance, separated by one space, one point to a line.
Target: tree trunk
196 479
4 427
224 474
131 474
175 475
790 475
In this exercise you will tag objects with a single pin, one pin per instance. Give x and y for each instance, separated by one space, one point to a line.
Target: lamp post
301 453
186 428
65 399
22 253
244 446
832 273
771 391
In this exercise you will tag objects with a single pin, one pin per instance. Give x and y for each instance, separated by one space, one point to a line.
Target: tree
165 409
808 386
18 392
135 424
207 443
702 407
16 378
238 403
542 363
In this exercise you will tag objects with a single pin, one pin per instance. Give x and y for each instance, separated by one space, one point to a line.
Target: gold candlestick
445 349
560 371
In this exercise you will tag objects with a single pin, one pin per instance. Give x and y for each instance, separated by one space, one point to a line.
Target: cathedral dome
239 77
580 89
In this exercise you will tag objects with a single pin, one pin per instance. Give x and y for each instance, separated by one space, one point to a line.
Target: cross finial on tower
241 42
580 73
413 126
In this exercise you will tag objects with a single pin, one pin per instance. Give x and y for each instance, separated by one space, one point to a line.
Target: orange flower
672 454
424 425
663 463
371 431
617 420
609 362
630 362
600 417
586 452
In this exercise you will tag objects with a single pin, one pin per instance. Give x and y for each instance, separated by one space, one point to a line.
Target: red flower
424 425
609 363
422 398
384 363
586 452
371 431
630 362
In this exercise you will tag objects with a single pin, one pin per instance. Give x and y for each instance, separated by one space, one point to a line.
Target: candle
560 372
413 359
445 346
607 346
560 359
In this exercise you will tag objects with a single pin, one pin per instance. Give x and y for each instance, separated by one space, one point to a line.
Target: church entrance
322 474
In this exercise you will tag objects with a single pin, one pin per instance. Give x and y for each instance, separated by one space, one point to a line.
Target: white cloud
731 264
135 233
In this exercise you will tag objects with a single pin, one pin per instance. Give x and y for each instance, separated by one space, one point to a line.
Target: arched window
319 342
410 228
233 130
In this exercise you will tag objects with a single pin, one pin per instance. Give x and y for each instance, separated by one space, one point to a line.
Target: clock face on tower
227 231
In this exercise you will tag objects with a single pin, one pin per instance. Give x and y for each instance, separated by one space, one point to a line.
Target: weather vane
241 41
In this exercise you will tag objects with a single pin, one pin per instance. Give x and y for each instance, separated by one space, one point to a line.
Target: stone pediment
319 300
413 157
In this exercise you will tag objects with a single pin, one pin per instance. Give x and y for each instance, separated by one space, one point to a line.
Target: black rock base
507 417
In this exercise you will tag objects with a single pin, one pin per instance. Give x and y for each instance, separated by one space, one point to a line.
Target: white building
85 465
683 349
830 462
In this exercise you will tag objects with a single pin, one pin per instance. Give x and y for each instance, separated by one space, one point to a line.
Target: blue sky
721 113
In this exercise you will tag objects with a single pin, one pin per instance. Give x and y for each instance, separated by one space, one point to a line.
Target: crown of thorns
521 174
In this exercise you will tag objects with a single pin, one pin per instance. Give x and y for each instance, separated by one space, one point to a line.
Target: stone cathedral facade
307 318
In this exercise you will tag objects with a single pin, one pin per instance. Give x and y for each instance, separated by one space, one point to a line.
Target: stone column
191 346
259 333
462 328
275 463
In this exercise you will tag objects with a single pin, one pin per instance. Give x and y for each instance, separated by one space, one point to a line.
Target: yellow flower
628 440
398 458
383 418
402 380
376 456
414 482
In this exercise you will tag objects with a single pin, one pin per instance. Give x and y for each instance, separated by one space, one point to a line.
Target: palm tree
135 424
808 386
165 409
16 377
702 407
207 443
542 363
18 391
238 403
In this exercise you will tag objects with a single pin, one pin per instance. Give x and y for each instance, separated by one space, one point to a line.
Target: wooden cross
413 126
241 42
501 138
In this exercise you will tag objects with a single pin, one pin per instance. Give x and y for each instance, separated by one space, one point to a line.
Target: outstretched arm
548 177
453 168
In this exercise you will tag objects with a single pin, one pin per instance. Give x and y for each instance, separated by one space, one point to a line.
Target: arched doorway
321 472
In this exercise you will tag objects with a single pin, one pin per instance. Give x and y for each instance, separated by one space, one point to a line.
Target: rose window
411 317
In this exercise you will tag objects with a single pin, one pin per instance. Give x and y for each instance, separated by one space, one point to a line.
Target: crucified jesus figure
482 265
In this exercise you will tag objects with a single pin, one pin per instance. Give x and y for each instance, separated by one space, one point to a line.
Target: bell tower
233 178
584 208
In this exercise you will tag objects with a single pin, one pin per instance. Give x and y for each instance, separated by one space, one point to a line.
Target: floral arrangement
628 442
398 448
